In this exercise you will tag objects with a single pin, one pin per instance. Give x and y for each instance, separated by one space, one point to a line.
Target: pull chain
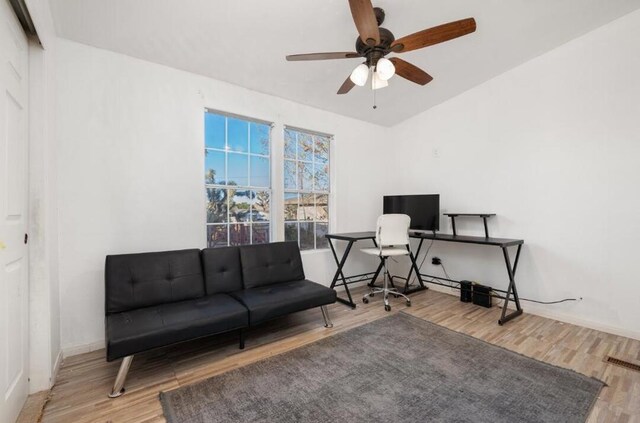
373 89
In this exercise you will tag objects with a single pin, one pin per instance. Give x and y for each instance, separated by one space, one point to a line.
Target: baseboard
539 310
82 348
544 311
56 368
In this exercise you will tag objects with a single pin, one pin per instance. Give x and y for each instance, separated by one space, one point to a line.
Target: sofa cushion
268 302
222 270
142 280
266 264
131 332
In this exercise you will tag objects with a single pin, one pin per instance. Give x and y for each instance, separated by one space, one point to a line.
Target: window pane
237 135
214 131
305 146
216 205
321 230
307 209
291 232
259 171
321 149
305 176
239 234
290 174
289 144
322 207
260 207
259 135
239 205
321 177
307 186
236 158
238 172
217 236
214 167
306 236
291 206
260 233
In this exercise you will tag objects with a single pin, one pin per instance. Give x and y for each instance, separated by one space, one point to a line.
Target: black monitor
424 210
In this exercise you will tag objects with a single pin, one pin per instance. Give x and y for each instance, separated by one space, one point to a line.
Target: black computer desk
504 243
351 238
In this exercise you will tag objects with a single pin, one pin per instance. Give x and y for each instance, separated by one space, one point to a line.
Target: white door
13 215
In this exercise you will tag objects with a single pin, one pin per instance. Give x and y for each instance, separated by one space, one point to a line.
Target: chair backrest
393 229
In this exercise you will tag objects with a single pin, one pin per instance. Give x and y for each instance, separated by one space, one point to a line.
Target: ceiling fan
375 42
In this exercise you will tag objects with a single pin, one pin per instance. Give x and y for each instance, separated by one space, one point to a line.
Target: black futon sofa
157 299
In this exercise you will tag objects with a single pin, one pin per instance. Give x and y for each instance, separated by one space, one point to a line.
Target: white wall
552 147
130 154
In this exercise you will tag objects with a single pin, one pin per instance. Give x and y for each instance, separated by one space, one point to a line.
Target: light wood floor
80 394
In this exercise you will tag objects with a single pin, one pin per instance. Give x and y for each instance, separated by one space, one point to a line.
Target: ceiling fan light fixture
360 75
385 69
377 82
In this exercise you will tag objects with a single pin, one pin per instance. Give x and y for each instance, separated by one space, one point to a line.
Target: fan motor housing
376 52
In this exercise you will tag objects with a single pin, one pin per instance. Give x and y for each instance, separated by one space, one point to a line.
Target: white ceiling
244 42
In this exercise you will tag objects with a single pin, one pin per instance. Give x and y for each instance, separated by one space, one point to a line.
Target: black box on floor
465 291
481 295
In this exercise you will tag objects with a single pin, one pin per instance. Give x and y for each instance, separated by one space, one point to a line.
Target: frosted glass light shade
360 75
377 82
385 69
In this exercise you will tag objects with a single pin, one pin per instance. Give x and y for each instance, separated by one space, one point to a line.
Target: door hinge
26 238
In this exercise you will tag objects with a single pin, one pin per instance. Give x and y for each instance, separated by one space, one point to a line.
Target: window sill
316 251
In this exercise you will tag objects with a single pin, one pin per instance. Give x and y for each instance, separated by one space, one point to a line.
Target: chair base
386 292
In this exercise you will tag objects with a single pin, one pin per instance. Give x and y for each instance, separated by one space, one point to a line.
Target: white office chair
392 237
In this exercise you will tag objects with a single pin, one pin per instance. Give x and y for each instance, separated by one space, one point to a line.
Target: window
306 188
237 176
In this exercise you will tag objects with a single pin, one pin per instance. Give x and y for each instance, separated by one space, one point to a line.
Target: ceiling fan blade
410 72
365 20
322 56
346 86
435 35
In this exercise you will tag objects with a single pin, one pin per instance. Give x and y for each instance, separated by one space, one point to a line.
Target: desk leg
372 283
504 318
339 274
417 255
414 266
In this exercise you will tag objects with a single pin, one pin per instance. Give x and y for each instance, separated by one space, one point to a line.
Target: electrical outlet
436 261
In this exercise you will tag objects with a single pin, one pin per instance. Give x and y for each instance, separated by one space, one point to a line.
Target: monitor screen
424 210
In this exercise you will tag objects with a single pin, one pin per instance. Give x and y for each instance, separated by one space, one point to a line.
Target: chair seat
386 251
134 331
271 301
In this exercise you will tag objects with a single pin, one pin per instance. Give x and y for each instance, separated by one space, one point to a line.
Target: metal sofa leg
241 339
325 314
118 386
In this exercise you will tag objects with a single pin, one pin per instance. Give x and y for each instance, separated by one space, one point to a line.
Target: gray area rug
396 369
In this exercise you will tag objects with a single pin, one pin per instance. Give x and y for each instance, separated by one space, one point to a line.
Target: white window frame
226 150
330 193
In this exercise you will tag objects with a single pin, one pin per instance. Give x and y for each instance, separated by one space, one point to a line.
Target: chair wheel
408 303
387 307
365 300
